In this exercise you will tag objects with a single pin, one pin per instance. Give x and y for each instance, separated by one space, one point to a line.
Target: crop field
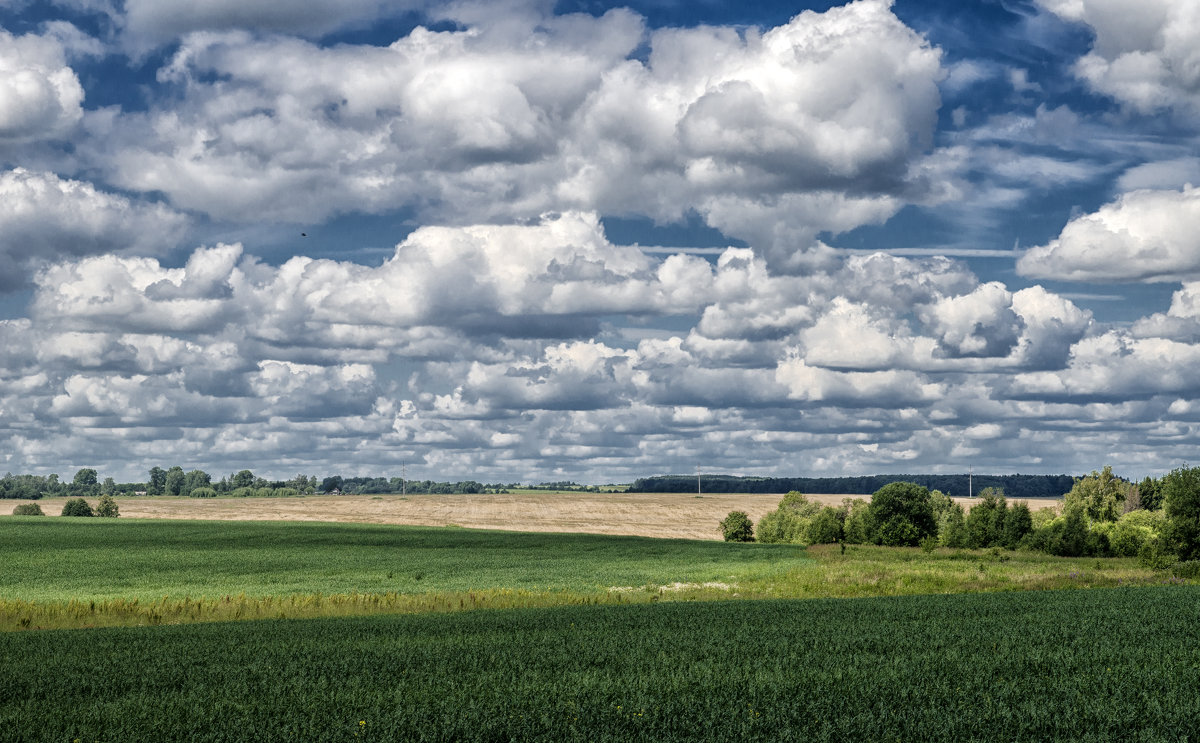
664 515
61 572
1120 664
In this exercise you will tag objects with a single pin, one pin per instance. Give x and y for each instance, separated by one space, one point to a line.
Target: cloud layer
820 175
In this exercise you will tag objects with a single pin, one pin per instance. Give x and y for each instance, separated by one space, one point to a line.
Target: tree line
1015 486
1102 515
197 483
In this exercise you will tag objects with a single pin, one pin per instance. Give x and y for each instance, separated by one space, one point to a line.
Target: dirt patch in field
681 515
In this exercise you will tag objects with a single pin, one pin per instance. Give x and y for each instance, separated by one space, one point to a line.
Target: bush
903 513
826 526
107 507
1187 569
1155 554
242 492
77 507
203 493
1132 531
28 509
859 527
790 522
782 526
737 527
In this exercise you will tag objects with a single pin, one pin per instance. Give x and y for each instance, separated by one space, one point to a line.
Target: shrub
859 528
76 507
781 526
789 523
203 493
903 513
1132 531
106 507
1186 569
737 527
28 509
826 526
242 492
1155 554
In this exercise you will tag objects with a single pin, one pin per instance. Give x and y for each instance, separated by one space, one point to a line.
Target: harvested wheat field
681 515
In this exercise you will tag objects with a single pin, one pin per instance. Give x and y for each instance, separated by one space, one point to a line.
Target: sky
527 241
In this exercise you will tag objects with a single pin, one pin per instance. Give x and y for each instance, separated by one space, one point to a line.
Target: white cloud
1143 236
1146 52
40 95
44 218
750 129
981 323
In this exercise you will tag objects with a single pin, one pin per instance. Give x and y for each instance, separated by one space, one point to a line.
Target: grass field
95 572
1120 664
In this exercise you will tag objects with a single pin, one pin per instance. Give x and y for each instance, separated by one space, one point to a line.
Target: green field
62 573
1121 664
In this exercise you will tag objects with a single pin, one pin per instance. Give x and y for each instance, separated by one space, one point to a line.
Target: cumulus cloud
1143 236
45 218
40 95
1146 52
819 124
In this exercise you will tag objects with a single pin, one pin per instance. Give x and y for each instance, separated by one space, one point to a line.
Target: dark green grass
99 559
1101 665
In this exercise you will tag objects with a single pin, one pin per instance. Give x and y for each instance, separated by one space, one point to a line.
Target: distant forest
1015 487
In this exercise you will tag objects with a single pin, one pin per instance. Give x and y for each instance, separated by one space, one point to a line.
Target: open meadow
210 630
666 515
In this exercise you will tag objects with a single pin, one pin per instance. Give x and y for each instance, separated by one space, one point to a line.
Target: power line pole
403 479
971 482
697 479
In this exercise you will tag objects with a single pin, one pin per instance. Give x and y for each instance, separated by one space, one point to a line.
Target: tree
107 507
28 509
1017 524
195 479
1181 503
858 527
902 513
76 507
985 521
952 527
157 482
330 484
1101 494
174 481
85 482
108 487
737 527
243 479
1150 493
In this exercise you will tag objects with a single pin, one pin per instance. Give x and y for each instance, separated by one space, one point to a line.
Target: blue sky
536 241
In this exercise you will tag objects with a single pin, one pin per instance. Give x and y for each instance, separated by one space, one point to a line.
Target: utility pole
970 482
403 479
697 479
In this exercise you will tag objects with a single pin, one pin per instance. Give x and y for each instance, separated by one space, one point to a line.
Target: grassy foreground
1118 664
62 573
